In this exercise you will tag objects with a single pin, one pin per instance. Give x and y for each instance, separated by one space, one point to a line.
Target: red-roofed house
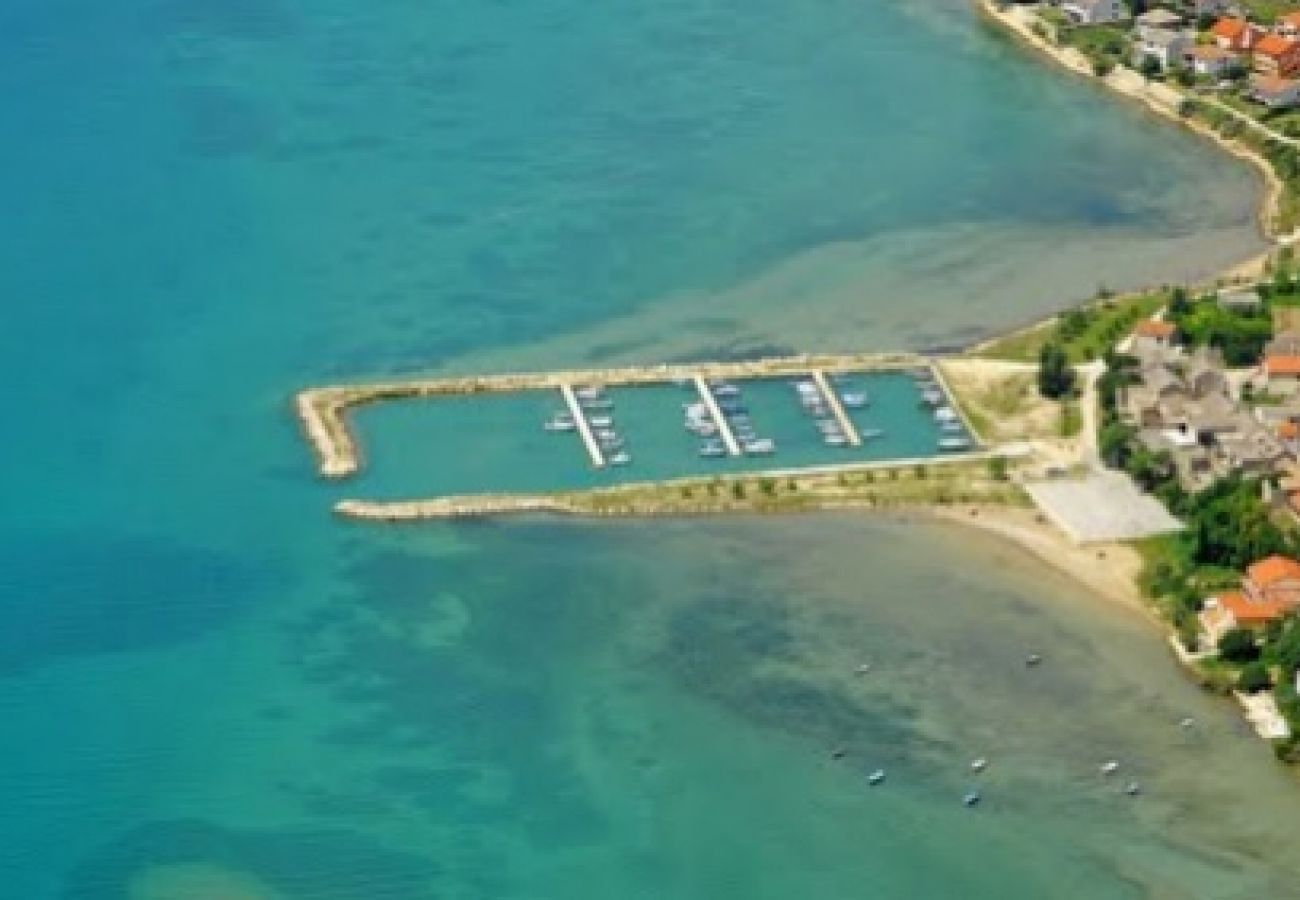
1235 34
1274 54
1273 580
1270 590
1288 25
1153 334
1234 610
1274 92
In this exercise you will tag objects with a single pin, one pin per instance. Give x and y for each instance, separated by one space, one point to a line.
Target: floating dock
837 408
584 427
724 427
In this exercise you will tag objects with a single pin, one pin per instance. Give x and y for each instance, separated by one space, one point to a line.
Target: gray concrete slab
1102 506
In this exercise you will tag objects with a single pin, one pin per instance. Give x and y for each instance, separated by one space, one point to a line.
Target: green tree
1055 376
1238 645
1254 678
1149 67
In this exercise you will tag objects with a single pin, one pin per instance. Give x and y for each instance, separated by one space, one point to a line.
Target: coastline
1162 102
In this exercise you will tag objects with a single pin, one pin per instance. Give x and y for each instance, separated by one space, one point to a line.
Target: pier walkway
724 427
584 427
837 408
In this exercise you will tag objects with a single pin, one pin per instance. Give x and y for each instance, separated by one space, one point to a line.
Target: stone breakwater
323 411
917 482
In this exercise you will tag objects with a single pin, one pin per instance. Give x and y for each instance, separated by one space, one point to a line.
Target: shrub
1254 678
1238 645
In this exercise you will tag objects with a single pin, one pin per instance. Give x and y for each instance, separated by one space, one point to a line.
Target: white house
1165 47
1095 12
1274 92
1212 60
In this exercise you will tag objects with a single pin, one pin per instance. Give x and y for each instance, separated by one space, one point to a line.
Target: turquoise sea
210 688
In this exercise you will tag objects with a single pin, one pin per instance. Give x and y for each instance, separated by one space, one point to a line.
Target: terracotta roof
1248 612
1154 328
1288 430
1274 45
1210 51
1291 18
1275 568
1230 28
1282 365
1274 84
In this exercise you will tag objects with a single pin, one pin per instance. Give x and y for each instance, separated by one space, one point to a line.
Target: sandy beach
1108 570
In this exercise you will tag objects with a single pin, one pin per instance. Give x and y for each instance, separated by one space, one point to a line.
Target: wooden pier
837 408
724 427
584 427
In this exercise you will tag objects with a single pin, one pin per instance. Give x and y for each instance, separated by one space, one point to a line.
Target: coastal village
1159 431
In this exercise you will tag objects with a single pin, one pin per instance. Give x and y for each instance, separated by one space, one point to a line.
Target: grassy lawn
1085 333
1267 11
1071 419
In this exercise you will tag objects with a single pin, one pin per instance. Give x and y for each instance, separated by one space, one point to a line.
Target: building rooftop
1273 569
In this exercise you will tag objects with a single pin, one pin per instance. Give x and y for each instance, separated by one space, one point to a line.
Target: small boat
611 444
876 777
839 753
621 458
835 440
1110 767
1033 659
931 397
596 403
1187 722
953 444
979 765
604 434
862 669
952 427
1133 789
724 389
945 414
853 399
560 422
601 421
759 447
712 450
868 433
733 408
702 429
971 798
589 392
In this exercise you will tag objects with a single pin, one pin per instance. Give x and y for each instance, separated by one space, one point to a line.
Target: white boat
604 434
759 447
945 414
702 429
712 450
952 427
876 777
724 389
868 433
853 399
621 458
1133 789
979 765
971 798
601 421
560 422
932 396
953 444
589 392
1110 767
835 440
596 403
807 388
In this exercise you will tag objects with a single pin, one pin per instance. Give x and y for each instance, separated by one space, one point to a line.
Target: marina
507 437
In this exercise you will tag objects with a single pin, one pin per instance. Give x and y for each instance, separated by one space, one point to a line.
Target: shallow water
211 687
